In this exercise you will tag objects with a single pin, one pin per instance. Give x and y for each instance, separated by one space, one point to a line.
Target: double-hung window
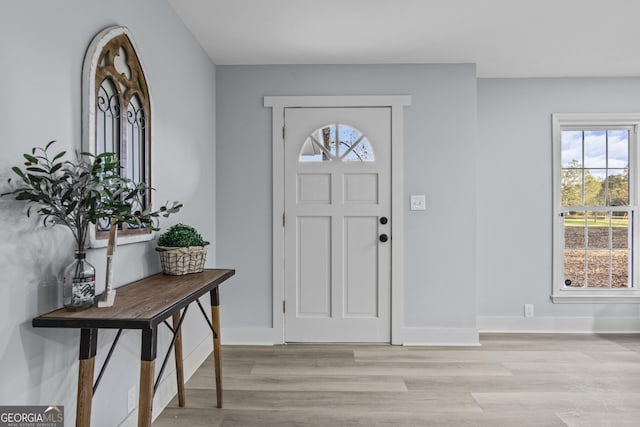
595 194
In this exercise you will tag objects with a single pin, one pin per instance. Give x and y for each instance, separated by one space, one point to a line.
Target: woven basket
179 261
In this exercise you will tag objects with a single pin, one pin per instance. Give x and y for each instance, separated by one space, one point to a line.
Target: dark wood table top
141 304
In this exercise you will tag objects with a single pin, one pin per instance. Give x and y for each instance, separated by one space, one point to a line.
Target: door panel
314 188
360 266
361 188
337 186
314 267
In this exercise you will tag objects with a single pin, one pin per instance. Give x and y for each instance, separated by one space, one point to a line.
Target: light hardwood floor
511 380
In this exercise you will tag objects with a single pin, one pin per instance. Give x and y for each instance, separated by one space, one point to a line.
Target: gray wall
42 45
440 148
480 191
514 197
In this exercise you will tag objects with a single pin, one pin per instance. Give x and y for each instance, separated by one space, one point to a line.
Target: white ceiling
505 38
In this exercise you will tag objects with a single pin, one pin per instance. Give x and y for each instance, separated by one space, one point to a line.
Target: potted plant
182 250
78 194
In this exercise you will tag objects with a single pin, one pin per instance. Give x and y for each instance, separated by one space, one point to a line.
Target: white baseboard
248 336
440 336
558 324
409 336
168 387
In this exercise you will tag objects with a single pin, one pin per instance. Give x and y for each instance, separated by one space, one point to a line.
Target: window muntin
595 167
337 142
107 118
595 173
595 235
597 249
135 140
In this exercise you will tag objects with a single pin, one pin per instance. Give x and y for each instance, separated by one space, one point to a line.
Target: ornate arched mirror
117 114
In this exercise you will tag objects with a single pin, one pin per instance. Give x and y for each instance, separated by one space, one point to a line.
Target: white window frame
572 121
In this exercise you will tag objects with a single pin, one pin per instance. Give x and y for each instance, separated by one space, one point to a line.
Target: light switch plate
418 202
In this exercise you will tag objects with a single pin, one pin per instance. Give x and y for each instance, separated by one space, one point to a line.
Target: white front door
337 224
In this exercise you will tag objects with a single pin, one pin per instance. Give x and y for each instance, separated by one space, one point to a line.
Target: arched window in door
339 142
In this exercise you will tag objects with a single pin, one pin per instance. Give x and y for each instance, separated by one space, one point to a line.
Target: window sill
121 240
622 296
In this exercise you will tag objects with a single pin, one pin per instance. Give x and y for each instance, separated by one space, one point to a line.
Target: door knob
384 238
383 220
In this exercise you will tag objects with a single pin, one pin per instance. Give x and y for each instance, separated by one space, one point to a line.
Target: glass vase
79 286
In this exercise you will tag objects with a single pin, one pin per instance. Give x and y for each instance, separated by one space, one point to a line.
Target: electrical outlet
528 310
132 401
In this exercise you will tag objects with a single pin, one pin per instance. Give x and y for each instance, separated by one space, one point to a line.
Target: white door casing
337 190
396 104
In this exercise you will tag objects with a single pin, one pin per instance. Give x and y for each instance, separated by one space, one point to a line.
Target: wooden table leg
215 319
177 348
147 376
88 345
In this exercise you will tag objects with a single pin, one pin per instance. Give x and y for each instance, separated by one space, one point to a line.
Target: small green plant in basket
182 250
181 235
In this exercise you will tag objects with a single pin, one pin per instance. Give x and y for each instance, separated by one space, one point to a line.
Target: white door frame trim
396 103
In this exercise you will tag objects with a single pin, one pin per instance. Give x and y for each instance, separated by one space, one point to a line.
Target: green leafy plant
80 193
181 235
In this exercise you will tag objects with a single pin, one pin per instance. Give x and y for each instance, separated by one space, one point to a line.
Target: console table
143 305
